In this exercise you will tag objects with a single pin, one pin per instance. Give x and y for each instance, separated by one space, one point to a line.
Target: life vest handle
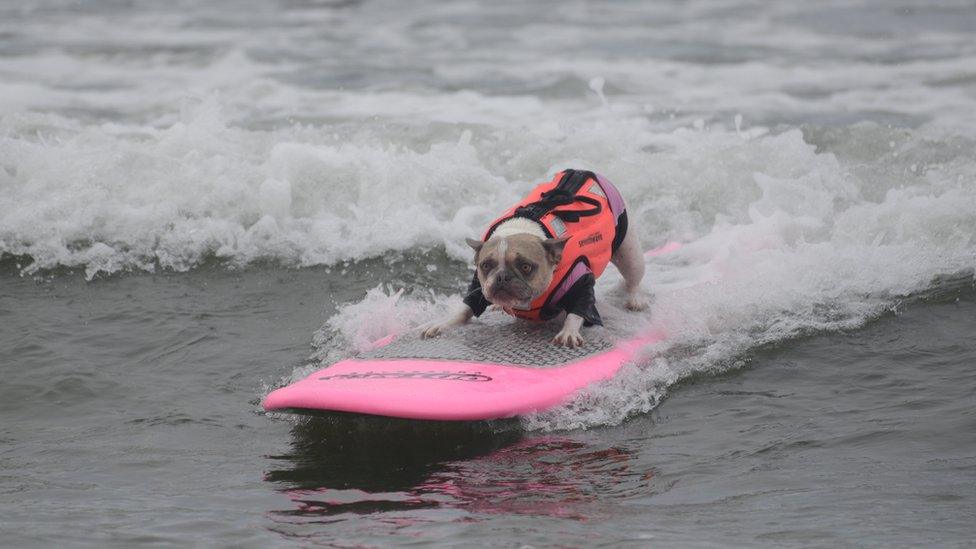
572 216
564 193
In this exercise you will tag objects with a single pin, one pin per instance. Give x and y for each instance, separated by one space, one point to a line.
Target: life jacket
581 205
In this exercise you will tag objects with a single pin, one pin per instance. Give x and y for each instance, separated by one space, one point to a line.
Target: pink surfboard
497 367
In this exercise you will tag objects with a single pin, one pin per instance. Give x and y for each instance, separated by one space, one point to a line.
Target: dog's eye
526 268
487 265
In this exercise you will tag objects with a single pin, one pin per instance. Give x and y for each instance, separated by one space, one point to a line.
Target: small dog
542 257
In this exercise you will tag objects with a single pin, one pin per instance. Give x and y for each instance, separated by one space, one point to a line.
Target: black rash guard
580 300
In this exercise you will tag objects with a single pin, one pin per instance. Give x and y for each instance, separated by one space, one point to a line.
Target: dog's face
514 270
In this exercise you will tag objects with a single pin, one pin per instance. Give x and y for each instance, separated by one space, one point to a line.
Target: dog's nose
505 276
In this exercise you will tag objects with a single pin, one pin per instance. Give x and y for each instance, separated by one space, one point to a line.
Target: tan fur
508 253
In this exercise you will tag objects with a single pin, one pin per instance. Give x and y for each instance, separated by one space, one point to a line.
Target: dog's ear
554 249
475 244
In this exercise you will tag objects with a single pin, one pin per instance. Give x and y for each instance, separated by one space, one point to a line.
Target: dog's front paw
434 329
568 338
636 302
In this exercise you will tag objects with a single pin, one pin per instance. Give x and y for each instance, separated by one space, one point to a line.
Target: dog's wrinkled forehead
504 250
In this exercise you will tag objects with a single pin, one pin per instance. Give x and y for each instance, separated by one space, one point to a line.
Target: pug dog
542 257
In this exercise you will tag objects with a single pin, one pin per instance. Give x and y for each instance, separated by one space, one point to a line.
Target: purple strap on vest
575 274
613 196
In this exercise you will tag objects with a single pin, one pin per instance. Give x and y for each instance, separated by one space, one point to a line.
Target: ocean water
202 201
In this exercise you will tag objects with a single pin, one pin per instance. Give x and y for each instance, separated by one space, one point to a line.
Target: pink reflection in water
543 476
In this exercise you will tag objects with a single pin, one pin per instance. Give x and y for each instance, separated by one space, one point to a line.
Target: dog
542 257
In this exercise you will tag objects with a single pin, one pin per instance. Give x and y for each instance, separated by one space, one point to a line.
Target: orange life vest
577 204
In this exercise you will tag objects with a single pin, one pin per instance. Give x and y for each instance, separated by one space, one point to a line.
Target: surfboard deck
496 367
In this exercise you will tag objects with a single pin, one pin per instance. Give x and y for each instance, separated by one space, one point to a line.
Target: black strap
564 193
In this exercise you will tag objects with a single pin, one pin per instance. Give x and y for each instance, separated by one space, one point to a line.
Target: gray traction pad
497 339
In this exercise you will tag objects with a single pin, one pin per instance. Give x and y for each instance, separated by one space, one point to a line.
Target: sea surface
202 201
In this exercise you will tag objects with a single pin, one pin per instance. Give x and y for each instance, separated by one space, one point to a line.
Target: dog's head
514 270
